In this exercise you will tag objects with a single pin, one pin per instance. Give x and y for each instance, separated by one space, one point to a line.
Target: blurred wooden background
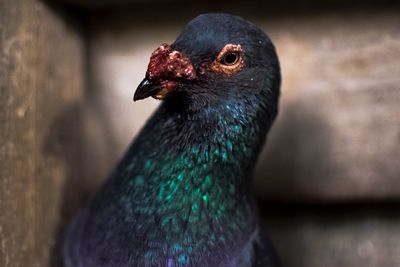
328 180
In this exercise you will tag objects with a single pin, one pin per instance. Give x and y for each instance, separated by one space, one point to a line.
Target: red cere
166 63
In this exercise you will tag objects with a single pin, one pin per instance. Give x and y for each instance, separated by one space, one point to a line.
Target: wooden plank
337 134
330 236
41 81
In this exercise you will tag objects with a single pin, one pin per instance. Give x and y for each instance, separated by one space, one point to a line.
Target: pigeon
182 194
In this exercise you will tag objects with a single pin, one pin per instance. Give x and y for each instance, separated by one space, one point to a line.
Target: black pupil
230 59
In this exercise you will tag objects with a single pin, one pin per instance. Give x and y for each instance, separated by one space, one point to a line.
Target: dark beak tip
143 90
136 96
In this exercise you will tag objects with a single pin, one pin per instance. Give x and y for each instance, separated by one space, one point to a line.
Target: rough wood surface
337 136
41 85
331 236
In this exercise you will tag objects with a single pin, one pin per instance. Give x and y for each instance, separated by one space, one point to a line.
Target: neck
190 173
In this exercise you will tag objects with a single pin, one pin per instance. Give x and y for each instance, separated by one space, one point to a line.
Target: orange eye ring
229 60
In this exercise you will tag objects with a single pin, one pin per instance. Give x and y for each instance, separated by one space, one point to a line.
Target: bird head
217 57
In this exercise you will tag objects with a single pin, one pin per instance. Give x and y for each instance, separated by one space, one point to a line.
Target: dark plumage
181 196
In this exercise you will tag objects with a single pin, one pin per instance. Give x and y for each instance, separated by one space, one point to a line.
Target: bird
182 194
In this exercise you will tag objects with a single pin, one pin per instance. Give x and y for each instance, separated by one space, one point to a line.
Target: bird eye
230 59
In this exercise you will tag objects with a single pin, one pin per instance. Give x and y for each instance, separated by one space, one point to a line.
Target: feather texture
181 196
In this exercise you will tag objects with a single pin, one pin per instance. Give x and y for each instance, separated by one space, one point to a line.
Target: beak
156 89
145 89
166 67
